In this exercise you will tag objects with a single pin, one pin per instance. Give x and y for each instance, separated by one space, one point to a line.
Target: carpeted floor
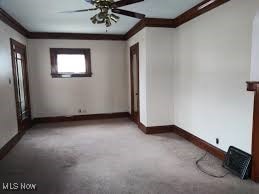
113 156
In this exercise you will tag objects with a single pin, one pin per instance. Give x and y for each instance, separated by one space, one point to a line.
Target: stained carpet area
113 156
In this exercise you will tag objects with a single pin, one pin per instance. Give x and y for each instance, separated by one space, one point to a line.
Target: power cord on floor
204 171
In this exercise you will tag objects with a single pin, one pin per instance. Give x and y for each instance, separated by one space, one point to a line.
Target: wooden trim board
80 117
17 47
156 129
190 14
150 22
10 21
198 10
134 50
200 143
10 145
254 87
186 135
74 36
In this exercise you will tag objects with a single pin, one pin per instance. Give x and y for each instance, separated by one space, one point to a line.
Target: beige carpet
113 156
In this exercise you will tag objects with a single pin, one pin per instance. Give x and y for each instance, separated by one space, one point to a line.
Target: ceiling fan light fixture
98 18
108 22
94 19
115 21
114 17
100 21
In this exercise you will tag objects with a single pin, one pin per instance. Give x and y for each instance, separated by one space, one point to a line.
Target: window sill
71 75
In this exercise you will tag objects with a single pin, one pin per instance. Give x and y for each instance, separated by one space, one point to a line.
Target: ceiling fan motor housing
104 3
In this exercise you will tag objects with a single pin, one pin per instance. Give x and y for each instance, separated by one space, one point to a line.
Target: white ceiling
43 16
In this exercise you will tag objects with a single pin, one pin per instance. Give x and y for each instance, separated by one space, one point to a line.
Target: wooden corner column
254 87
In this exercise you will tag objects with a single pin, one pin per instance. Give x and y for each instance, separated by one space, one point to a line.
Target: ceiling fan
107 9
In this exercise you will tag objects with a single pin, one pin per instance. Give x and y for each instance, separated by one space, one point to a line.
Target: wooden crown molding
192 13
74 36
135 29
198 10
150 22
160 22
10 21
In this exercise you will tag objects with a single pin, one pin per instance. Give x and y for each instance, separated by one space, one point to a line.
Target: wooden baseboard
200 143
155 130
142 127
9 146
186 135
80 118
147 130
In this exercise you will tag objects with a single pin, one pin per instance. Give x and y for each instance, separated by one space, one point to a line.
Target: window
66 63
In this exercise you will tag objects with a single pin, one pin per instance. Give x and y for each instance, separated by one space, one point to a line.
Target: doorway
21 85
134 75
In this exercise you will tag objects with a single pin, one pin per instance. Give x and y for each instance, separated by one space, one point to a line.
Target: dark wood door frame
254 87
15 45
134 50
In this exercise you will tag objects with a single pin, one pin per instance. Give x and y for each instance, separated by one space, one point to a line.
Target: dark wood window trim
53 58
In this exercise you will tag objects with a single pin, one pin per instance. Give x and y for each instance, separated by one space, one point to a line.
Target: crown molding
198 10
151 22
10 21
74 36
135 29
192 13
160 22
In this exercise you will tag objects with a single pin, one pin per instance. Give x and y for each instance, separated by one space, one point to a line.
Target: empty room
129 96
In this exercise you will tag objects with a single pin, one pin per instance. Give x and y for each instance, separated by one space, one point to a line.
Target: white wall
155 71
213 63
105 92
140 38
8 121
160 61
255 50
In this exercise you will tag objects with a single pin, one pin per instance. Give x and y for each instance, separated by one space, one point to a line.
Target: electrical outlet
217 140
84 111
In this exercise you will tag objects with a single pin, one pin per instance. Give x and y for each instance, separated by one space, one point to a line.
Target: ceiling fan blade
90 1
125 2
129 13
81 10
